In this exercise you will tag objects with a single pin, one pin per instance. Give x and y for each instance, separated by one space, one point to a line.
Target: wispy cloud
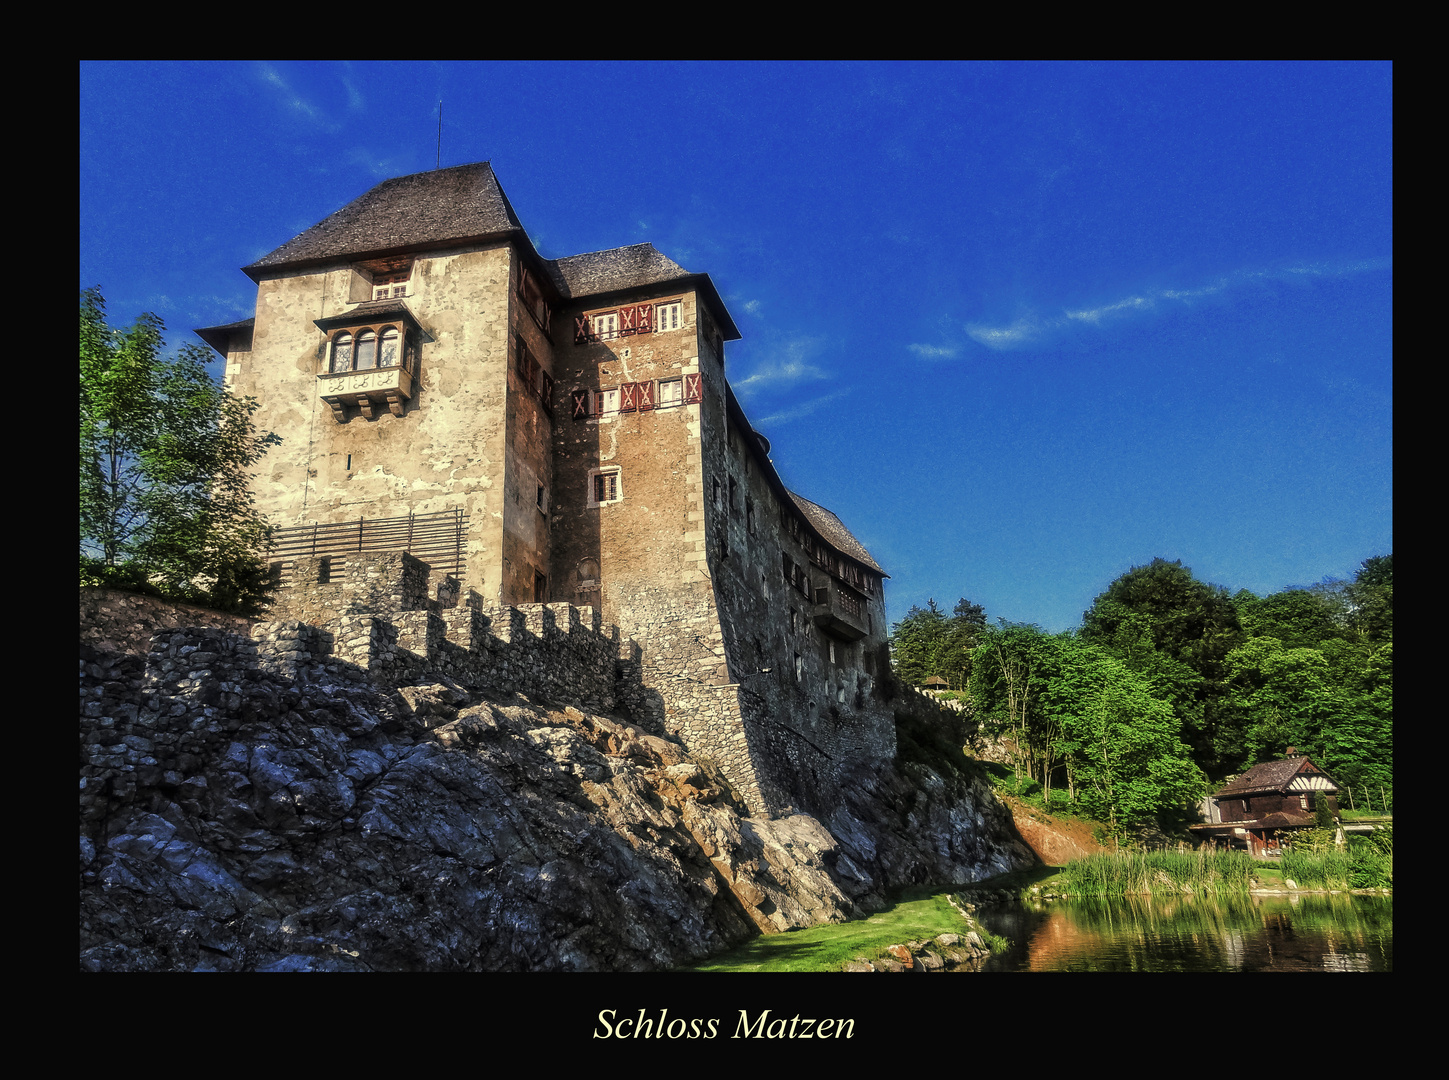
294 100
1021 332
1035 326
935 352
792 367
803 409
1096 315
752 306
355 100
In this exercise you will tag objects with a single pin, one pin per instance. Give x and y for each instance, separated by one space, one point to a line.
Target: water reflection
1243 933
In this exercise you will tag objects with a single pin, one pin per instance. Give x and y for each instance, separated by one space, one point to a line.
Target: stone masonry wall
123 622
377 617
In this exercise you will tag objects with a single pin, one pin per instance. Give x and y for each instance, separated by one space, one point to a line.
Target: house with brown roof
562 431
1266 804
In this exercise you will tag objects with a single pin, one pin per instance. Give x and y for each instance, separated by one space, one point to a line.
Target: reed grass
1159 873
1360 867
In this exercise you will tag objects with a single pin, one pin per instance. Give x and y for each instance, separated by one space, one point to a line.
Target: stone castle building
571 422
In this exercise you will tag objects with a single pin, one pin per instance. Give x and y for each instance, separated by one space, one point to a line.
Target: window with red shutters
693 392
646 396
628 397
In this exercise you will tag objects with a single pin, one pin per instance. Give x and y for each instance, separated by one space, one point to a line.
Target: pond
1302 932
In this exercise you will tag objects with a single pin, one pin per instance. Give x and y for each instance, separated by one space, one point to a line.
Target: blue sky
1022 326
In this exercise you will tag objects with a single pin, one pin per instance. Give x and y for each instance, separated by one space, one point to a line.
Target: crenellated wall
374 613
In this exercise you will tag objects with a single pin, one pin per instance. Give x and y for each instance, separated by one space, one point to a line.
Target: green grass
1159 873
919 914
1361 866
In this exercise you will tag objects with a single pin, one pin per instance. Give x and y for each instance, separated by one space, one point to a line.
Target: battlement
374 611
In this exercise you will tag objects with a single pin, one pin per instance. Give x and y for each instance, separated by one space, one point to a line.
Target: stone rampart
375 614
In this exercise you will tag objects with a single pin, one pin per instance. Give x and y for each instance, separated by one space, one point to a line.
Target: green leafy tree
1299 618
1164 623
1122 744
164 459
1011 669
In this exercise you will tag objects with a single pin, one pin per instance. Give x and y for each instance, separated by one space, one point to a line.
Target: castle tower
571 419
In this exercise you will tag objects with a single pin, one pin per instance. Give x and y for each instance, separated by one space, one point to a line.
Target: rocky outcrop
247 805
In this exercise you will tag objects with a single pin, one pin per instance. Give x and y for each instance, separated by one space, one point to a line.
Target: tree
164 460
927 642
1010 671
1164 623
1122 745
1299 618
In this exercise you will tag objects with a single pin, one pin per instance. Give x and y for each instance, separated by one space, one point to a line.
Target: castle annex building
562 432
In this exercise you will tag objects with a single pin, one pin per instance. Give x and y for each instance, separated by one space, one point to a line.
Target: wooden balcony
838 612
388 387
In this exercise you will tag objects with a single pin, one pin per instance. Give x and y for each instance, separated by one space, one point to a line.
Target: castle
570 425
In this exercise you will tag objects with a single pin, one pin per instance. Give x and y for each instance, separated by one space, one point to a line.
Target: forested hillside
1171 684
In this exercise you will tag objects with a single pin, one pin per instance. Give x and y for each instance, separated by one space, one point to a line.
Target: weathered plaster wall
449 447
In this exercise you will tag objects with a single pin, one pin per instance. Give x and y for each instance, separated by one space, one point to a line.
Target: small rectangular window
671 392
606 487
668 317
606 401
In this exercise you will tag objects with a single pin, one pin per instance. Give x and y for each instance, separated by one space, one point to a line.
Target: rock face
244 810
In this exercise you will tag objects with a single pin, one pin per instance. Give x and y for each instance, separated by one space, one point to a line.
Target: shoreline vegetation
1362 868
922 919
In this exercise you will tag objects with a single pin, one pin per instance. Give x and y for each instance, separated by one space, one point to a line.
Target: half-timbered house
1264 805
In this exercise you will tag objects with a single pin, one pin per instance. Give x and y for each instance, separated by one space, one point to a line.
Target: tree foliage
1122 744
928 642
1060 704
164 459
1165 624
1171 680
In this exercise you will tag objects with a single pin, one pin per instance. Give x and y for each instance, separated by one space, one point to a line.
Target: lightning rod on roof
439 163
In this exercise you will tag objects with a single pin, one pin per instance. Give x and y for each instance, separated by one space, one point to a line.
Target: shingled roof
618 268
1270 776
430 209
834 531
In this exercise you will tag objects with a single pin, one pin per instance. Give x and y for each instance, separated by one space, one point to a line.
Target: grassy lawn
1270 874
916 915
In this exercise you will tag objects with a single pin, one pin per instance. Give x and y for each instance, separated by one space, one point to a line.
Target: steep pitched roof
834 531
1270 776
618 268
425 209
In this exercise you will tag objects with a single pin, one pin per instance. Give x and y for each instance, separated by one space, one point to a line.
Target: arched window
388 355
342 353
366 350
